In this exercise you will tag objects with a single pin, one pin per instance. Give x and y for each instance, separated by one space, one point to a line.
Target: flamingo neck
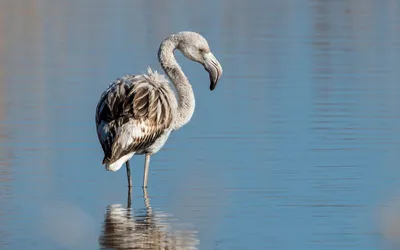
185 95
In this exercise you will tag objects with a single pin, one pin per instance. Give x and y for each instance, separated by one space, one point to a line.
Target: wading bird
137 113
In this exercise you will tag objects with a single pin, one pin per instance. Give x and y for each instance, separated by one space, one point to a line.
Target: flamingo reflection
143 229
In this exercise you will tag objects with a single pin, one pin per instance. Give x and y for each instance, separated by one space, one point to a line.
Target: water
296 149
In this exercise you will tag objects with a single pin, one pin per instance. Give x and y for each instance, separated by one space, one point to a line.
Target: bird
137 113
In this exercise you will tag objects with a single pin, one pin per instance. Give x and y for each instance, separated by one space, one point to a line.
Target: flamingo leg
129 205
128 174
146 170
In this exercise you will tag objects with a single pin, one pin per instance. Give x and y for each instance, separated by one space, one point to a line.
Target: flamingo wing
132 113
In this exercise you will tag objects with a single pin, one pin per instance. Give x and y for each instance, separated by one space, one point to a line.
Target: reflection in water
144 229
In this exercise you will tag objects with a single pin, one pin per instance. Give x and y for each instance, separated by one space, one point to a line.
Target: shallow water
296 149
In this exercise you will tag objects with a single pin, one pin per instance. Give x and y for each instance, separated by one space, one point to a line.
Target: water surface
296 149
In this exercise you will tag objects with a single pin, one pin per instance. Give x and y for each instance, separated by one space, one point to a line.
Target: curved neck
186 101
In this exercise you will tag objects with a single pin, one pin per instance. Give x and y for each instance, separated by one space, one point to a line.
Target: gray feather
132 113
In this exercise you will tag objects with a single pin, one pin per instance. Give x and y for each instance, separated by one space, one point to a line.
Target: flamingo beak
213 68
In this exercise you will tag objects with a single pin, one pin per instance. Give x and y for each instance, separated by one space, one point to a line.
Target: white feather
118 164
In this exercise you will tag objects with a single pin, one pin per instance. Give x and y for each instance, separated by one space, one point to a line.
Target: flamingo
137 113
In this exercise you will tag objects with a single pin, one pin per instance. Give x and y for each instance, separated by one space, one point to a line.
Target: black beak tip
213 83
214 76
